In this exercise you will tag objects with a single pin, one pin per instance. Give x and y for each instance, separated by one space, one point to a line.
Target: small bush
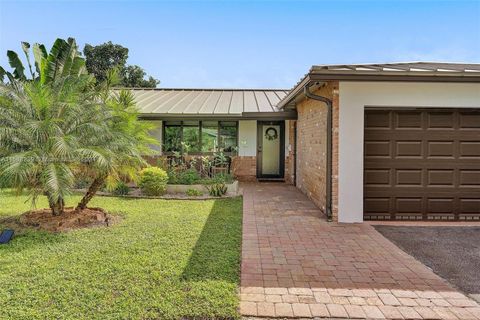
219 178
217 189
193 193
153 181
187 177
121 189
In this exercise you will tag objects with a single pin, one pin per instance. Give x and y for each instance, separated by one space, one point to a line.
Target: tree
128 142
61 124
104 57
44 130
107 56
134 76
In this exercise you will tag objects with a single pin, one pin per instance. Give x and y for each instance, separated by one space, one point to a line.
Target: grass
166 259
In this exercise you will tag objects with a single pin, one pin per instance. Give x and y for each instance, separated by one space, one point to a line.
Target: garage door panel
409 177
441 120
377 148
440 205
469 178
378 120
411 120
444 178
469 149
409 205
440 149
469 120
469 206
377 177
409 149
422 164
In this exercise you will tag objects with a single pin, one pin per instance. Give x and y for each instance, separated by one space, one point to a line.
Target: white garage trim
354 97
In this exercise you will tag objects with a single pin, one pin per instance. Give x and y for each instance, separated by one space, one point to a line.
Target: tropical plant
217 189
63 60
58 125
120 153
153 181
121 189
45 128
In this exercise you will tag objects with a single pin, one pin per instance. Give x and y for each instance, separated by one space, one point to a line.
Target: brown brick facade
244 168
312 147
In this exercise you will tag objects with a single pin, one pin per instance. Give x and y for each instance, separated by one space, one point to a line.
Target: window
228 136
172 136
200 136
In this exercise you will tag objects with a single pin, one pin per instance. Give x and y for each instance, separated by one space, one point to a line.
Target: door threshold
271 179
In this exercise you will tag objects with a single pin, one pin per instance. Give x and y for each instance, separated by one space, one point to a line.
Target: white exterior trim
354 97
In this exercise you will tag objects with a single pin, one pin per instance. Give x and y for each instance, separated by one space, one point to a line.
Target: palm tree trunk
92 190
57 207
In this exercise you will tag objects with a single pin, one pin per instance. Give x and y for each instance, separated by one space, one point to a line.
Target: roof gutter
328 102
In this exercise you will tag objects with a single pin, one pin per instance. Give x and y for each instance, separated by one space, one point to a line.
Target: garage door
422 164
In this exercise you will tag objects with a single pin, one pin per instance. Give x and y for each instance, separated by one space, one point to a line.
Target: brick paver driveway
295 264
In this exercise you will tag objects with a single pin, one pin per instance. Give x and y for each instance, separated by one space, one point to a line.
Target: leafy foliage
134 76
63 60
107 56
189 176
193 192
44 130
153 181
121 189
217 189
60 125
104 57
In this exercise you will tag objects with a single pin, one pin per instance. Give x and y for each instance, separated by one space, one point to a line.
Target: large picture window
200 136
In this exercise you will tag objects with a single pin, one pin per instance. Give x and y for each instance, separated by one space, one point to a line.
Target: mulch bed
71 219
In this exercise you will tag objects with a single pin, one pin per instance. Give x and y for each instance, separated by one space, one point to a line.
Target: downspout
328 102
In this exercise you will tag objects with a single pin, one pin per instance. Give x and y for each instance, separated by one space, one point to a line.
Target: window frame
200 125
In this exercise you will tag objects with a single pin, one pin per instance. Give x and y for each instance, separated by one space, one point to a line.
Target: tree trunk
57 207
92 190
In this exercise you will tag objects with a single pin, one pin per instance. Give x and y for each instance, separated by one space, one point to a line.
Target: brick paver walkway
295 264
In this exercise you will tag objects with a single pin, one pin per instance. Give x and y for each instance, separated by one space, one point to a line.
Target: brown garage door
422 164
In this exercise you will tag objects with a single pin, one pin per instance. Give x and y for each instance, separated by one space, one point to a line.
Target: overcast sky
250 44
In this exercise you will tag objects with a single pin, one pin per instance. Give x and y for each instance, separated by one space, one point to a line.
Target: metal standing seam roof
439 68
206 102
399 71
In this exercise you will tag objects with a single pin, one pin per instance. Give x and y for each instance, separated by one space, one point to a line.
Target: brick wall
312 147
244 168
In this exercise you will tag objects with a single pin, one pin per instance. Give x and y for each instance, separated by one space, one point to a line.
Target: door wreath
271 134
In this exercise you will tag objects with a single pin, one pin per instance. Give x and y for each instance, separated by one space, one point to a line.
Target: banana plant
63 60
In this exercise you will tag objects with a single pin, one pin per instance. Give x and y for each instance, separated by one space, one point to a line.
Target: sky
250 44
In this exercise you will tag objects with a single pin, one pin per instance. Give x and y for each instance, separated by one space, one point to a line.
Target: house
398 141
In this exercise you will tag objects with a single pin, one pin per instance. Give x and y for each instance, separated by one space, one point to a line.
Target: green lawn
166 259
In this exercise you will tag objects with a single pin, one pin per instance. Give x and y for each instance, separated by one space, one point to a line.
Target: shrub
219 178
193 193
153 181
217 189
121 189
189 176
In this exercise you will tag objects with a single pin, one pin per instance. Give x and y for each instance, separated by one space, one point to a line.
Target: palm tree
45 130
59 125
129 141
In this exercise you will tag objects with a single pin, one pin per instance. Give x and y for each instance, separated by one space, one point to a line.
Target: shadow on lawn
216 255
